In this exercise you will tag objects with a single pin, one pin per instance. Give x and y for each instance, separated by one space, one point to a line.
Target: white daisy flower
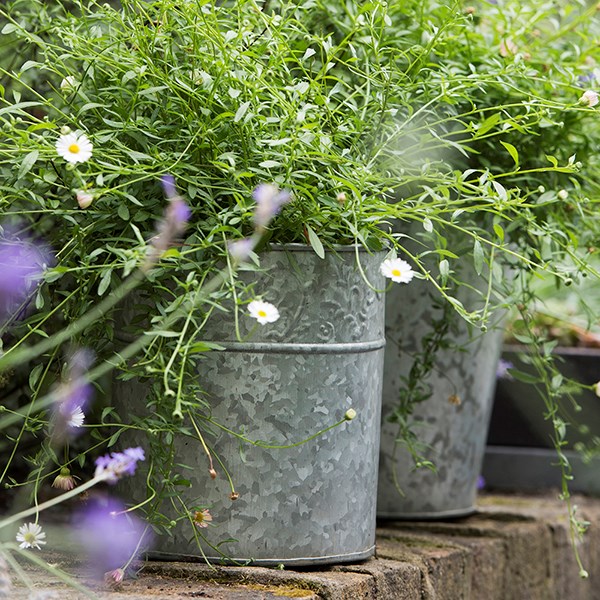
76 418
397 270
74 147
31 536
263 312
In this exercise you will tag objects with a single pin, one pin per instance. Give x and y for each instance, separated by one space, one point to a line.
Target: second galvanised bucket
451 425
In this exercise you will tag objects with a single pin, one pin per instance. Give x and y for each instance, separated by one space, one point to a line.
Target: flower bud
84 199
350 414
589 98
68 83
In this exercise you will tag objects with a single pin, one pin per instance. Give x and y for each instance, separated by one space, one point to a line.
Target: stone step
514 548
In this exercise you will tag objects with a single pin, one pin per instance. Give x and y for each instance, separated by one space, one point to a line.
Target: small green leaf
204 347
478 257
104 282
27 163
499 231
9 28
524 377
241 111
268 164
34 376
512 151
123 212
163 333
488 124
500 190
315 242
39 299
30 64
113 438
444 270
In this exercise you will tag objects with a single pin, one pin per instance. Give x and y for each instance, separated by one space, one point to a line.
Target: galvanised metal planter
314 503
454 433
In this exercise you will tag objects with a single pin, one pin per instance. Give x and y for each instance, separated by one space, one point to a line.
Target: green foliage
442 133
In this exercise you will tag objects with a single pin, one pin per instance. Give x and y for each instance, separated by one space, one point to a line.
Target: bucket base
266 562
436 515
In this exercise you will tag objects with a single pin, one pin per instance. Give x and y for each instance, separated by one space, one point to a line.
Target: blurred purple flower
178 213
269 200
240 250
22 263
480 482
174 222
73 396
587 78
110 537
111 467
168 184
502 370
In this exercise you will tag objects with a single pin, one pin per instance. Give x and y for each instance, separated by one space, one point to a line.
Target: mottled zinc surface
314 502
452 424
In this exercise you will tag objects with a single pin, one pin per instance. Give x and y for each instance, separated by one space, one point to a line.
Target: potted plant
327 105
512 49
273 108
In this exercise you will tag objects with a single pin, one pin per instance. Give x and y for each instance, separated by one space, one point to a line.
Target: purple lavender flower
22 263
110 537
111 467
269 200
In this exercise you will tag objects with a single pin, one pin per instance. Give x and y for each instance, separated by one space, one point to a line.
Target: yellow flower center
29 537
396 272
74 148
262 313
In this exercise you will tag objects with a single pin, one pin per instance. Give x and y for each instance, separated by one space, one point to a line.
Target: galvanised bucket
314 503
452 424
